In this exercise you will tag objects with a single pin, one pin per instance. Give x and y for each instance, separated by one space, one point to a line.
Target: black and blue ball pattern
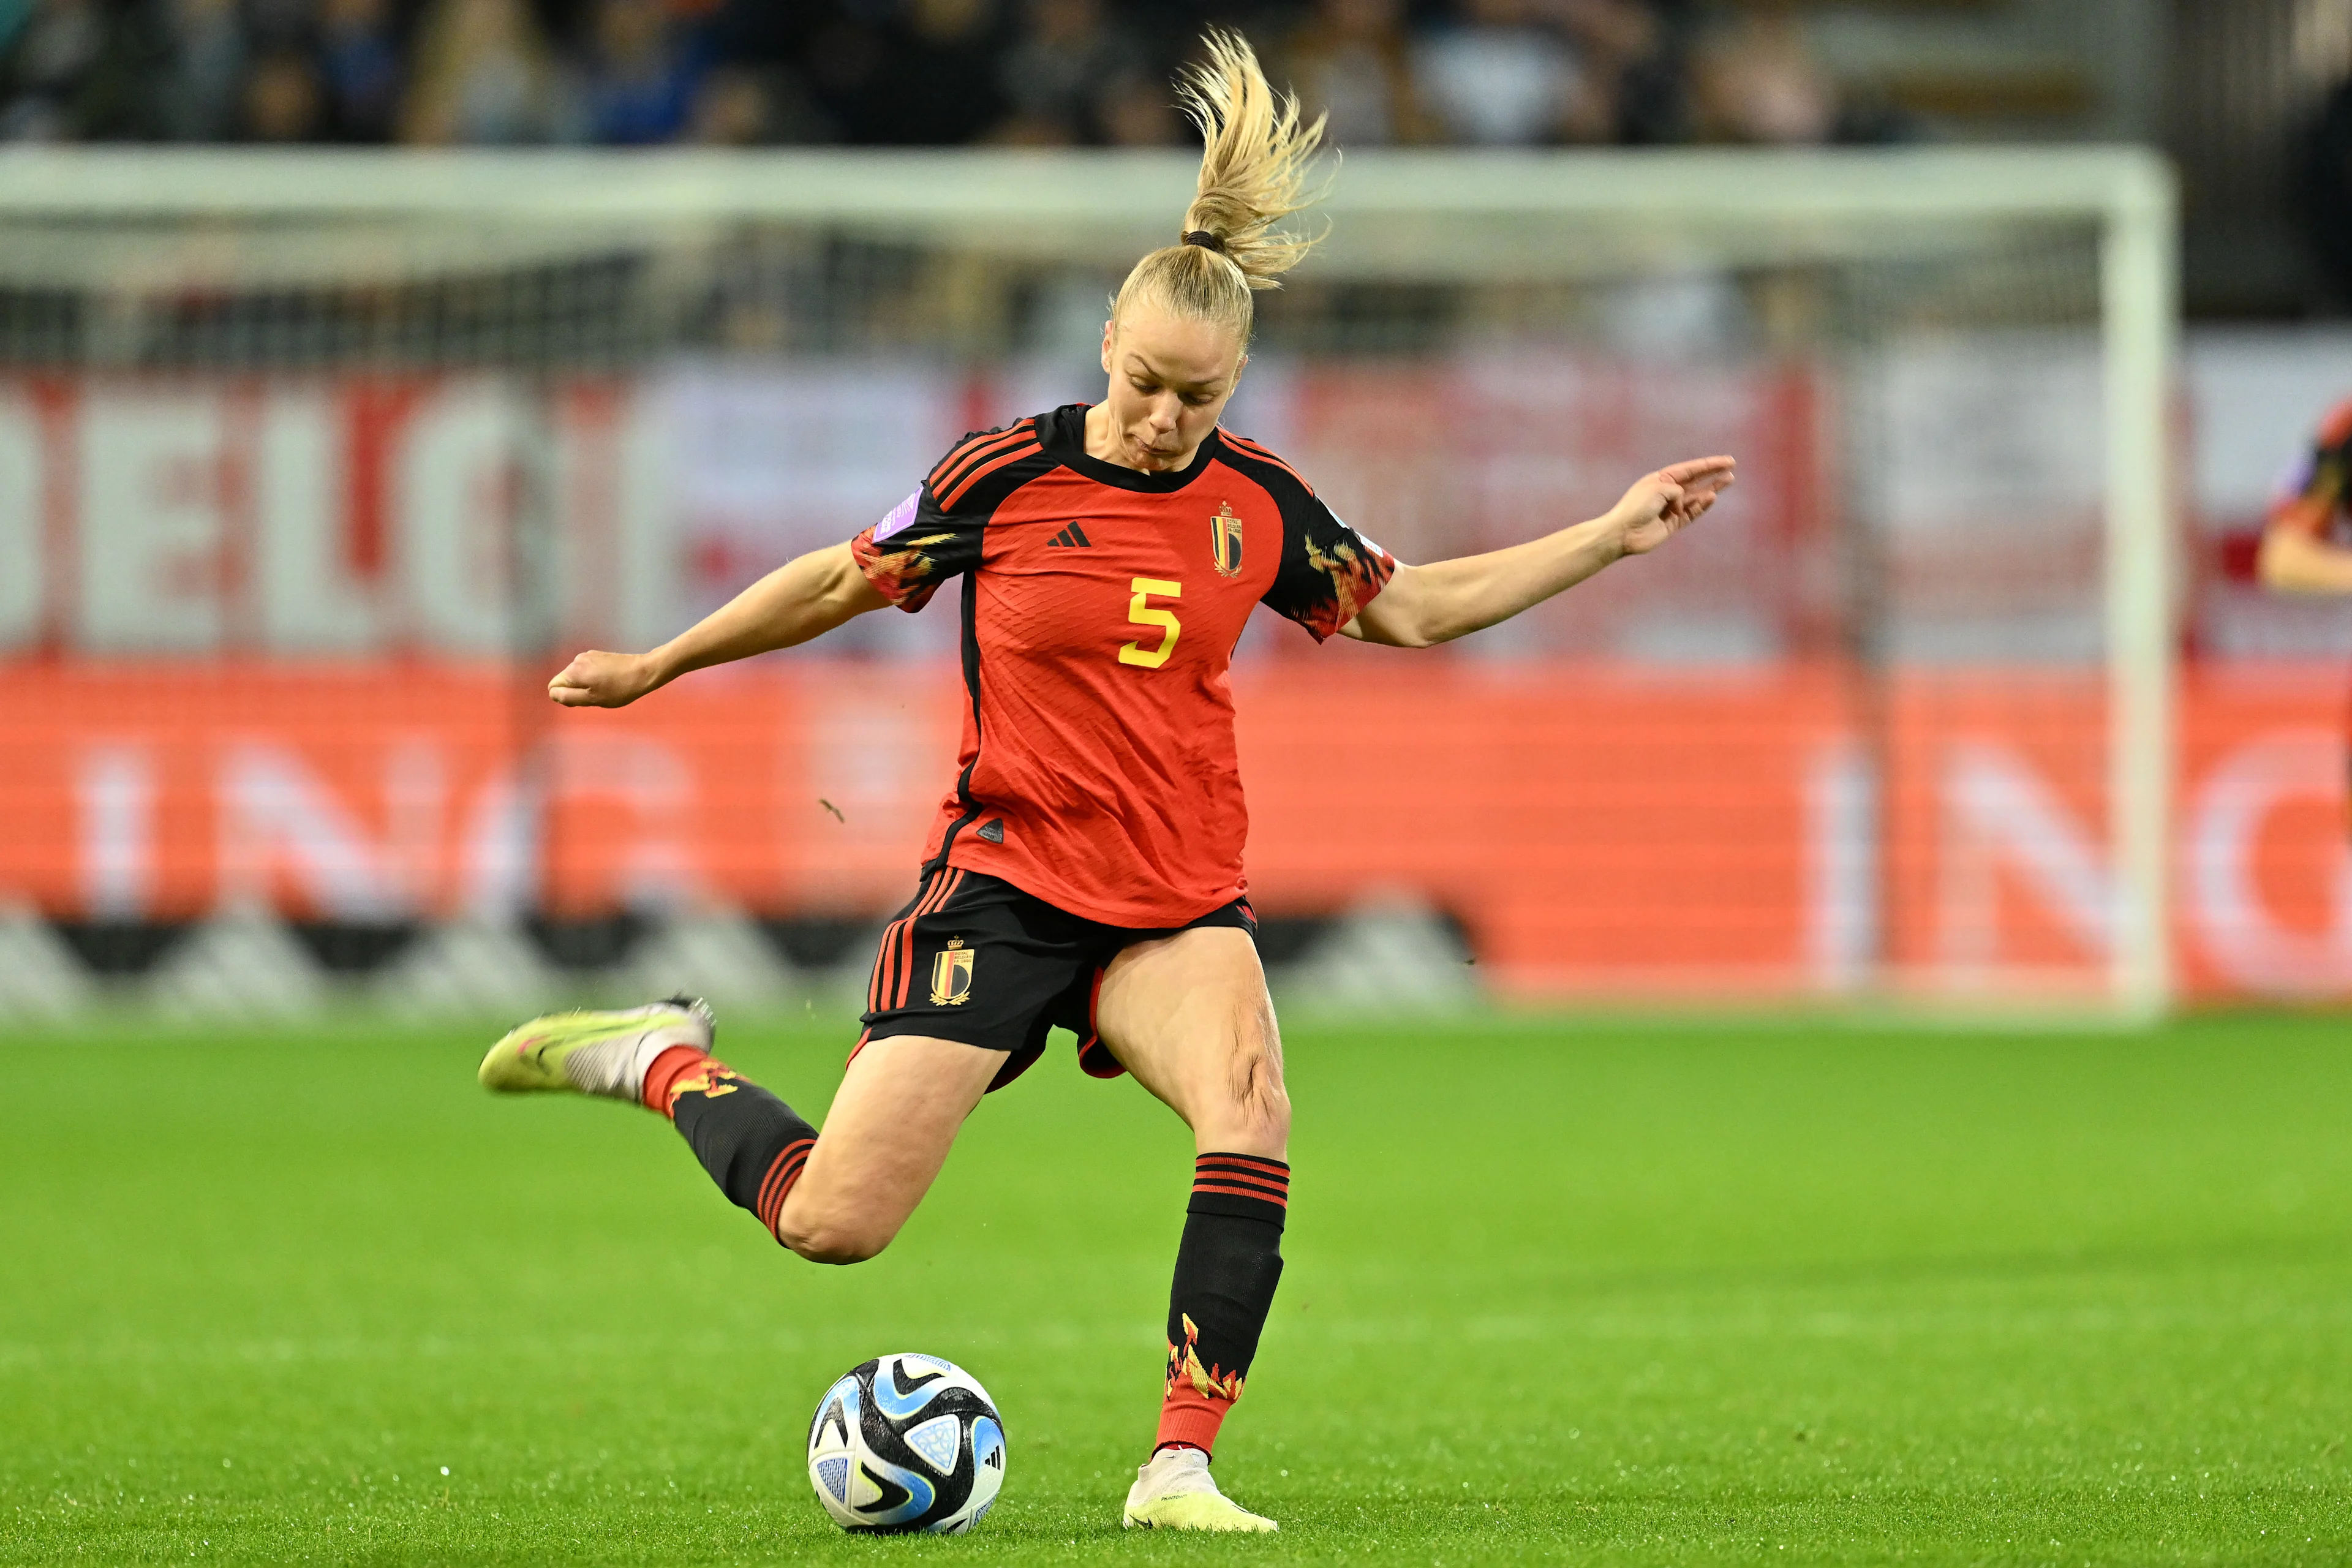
907 1442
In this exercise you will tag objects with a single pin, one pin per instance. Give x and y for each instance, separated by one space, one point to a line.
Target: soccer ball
906 1442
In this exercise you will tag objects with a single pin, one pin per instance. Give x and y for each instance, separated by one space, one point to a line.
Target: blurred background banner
1598 828
316 460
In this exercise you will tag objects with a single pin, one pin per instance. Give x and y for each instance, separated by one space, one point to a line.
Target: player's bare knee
843 1251
1266 1115
1257 1116
836 1243
822 1237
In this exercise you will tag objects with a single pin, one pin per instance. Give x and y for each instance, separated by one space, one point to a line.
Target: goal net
313 467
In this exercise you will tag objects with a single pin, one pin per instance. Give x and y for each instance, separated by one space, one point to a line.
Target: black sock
1226 1268
753 1143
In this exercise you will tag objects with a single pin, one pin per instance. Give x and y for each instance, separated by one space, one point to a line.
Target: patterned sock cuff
1190 1419
1245 1186
667 1068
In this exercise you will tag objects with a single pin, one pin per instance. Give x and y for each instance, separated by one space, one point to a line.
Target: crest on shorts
1225 541
952 974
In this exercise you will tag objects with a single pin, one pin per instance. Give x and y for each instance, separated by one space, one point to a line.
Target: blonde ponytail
1253 175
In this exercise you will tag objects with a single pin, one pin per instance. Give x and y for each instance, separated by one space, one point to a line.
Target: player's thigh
889 1131
1189 1016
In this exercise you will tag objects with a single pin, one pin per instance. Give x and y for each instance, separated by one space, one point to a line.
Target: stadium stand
1051 72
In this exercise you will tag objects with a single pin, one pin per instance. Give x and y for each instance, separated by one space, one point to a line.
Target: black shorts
975 959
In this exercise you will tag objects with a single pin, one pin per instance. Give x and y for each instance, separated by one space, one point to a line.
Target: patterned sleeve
918 546
1328 570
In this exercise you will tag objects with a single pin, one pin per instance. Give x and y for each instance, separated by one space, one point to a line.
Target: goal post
603 325
2140 296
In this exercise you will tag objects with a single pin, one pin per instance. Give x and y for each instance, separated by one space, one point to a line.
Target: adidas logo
1071 538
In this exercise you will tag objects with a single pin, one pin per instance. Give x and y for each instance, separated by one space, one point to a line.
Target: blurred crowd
900 73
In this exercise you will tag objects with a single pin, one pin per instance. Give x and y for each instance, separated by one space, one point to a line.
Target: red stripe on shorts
949 882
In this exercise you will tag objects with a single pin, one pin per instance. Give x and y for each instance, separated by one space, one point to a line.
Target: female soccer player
1085 868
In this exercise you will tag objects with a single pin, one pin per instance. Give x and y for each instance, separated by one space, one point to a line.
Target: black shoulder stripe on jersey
986 492
969 636
988 464
1246 447
974 448
970 442
1278 479
981 491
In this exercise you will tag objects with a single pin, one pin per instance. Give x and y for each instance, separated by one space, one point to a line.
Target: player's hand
1661 504
599 679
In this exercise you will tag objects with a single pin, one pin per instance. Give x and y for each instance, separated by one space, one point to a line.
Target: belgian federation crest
952 974
1225 541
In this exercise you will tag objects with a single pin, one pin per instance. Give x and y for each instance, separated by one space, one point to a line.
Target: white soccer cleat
1175 1491
605 1054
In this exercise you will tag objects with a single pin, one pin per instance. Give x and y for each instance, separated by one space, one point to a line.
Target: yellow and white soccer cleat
602 1054
1175 1491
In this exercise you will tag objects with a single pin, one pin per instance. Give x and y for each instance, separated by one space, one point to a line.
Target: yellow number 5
1140 613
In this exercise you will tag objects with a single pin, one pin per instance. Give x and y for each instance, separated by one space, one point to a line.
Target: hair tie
1205 240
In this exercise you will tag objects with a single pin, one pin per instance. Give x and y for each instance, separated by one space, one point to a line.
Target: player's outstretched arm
799 600
2293 562
2298 556
1424 606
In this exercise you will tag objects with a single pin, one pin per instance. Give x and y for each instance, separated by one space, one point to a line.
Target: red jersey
1100 610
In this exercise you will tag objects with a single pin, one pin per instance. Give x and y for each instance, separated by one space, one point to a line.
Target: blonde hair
1253 175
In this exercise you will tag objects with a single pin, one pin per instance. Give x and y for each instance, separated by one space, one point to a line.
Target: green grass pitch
1574 1290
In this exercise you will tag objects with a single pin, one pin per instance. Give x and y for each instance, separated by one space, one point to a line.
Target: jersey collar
1065 433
